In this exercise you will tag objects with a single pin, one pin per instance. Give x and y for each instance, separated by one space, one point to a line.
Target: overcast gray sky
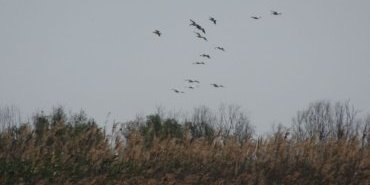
101 56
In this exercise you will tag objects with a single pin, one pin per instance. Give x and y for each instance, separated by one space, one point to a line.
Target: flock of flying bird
198 32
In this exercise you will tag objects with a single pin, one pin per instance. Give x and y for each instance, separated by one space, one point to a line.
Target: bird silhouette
256 17
275 13
220 48
191 86
192 81
213 20
157 32
217 85
200 28
199 63
177 91
206 56
200 36
193 23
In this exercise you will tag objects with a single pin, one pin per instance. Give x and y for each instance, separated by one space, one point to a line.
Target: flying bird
193 23
192 81
177 91
205 55
200 28
200 36
157 32
217 85
220 48
198 63
276 13
256 18
191 86
213 20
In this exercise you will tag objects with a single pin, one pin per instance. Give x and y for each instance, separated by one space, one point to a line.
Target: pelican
202 63
220 48
275 12
213 20
205 55
157 32
256 18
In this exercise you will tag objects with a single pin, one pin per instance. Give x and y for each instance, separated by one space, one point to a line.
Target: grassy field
60 149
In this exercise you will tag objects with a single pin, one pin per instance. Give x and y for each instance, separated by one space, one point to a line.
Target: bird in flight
217 85
206 56
191 86
276 13
157 32
200 28
200 36
213 20
193 23
198 63
192 81
256 17
220 48
177 91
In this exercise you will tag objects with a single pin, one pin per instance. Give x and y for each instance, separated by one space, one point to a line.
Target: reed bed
59 151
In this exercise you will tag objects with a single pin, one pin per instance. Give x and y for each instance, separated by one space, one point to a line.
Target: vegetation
326 144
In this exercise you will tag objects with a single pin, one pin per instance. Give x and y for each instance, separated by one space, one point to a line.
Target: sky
101 56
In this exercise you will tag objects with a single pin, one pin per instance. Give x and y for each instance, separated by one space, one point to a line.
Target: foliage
57 149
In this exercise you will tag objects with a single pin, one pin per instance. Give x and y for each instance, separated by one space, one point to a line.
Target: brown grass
63 153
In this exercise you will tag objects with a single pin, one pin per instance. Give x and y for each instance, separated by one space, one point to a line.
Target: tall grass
54 149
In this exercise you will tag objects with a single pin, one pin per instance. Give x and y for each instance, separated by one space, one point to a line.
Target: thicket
326 144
